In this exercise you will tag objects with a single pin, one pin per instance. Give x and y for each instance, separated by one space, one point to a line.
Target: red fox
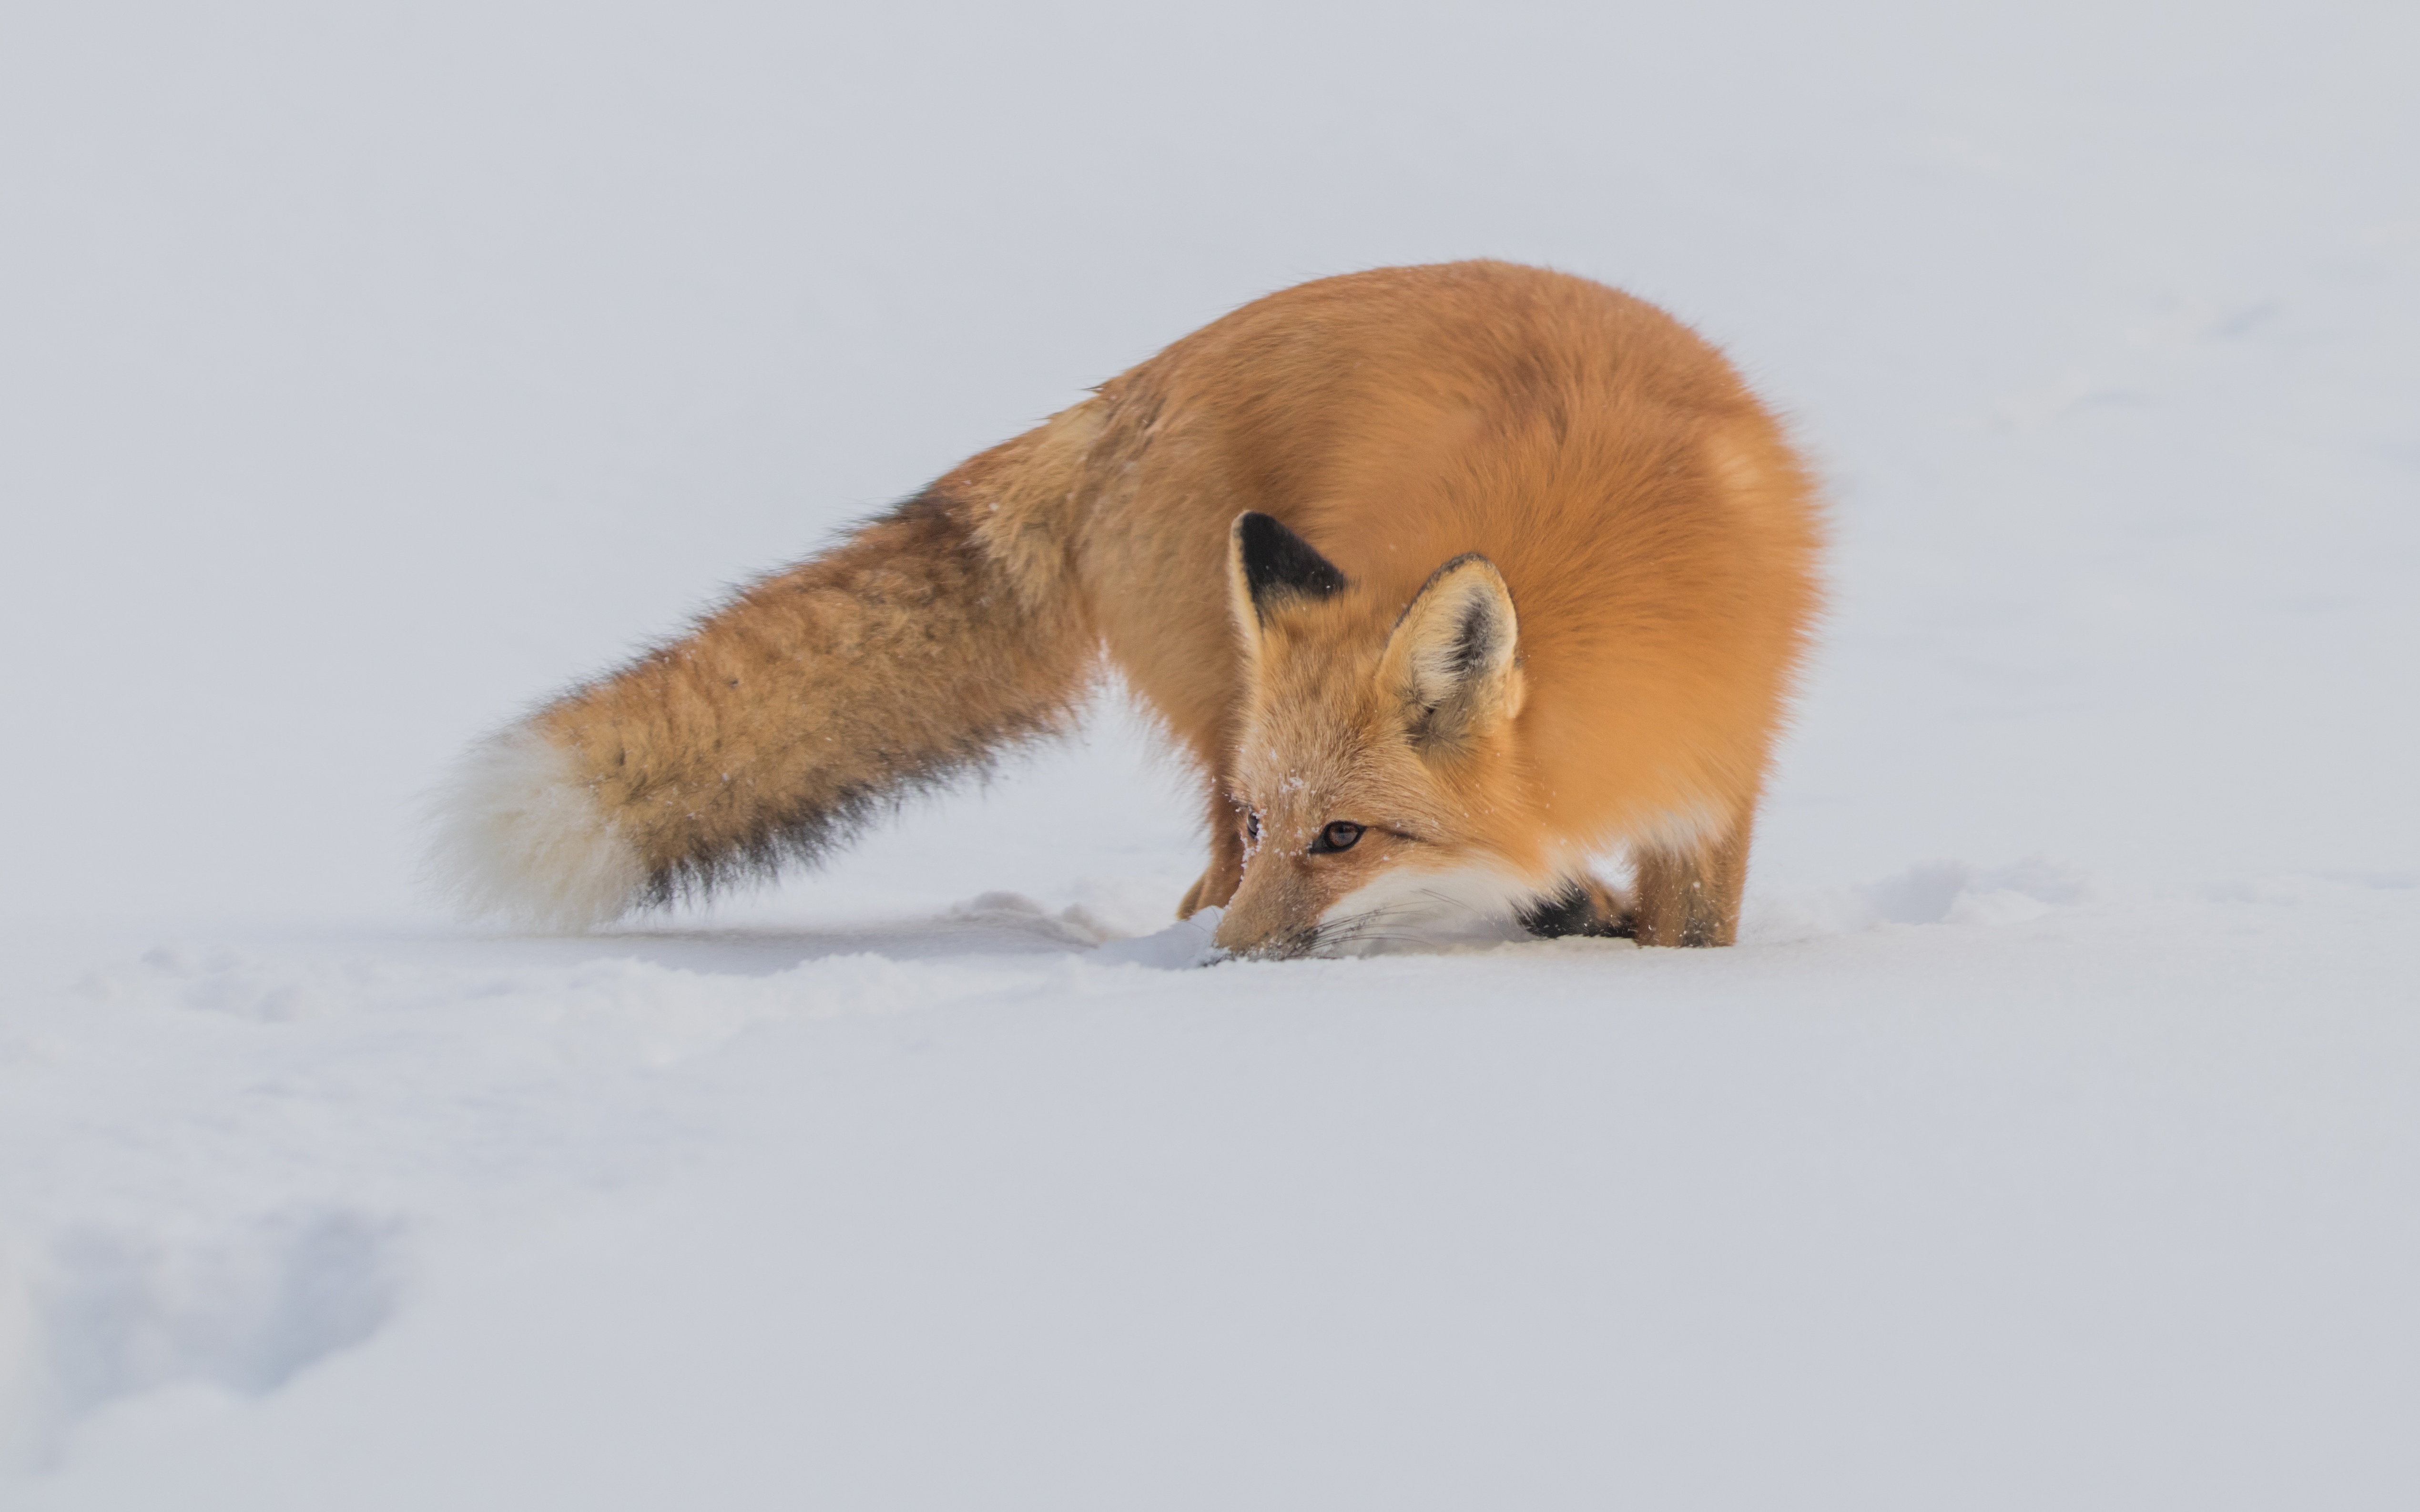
1446 579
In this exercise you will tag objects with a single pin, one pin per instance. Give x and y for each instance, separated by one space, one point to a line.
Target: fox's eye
1252 826
1340 836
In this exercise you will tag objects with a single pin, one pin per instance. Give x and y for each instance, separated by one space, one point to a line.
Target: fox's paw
1583 906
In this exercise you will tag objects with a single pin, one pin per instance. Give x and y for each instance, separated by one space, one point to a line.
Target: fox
1448 582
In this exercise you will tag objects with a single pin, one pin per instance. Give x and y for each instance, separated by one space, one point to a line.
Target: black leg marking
1575 911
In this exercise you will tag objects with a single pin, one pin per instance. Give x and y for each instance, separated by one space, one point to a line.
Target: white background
368 371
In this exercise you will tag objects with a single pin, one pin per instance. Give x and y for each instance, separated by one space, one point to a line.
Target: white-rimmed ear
1452 660
1269 567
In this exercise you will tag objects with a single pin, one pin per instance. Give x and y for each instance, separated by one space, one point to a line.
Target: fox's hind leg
1691 896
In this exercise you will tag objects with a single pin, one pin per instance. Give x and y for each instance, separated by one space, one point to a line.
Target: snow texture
2049 1140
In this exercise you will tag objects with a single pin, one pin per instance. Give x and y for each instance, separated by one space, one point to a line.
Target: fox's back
1658 537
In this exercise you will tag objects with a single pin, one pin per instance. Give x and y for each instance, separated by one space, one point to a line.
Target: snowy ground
366 373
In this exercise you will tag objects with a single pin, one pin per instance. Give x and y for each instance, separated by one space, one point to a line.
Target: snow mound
1934 892
1183 944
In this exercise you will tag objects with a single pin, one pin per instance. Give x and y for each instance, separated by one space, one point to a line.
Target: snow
2050 1140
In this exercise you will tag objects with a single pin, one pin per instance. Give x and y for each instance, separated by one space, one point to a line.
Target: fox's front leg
1225 873
1692 897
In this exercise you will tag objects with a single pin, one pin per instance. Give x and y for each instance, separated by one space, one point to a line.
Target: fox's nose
1273 915
1231 937
1237 935
1262 945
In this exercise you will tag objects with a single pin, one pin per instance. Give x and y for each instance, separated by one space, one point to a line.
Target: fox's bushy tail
811 704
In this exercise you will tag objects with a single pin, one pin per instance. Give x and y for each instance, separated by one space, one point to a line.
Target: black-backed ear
1453 660
1271 565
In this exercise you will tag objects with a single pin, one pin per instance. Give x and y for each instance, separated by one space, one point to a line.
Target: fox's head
1376 774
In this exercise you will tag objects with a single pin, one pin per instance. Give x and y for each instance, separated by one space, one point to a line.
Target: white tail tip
519 835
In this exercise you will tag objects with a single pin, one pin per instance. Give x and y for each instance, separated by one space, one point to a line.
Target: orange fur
1646 539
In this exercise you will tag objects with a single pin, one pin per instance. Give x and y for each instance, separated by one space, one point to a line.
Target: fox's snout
1277 912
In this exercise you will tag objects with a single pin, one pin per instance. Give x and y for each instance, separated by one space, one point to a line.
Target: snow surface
366 372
